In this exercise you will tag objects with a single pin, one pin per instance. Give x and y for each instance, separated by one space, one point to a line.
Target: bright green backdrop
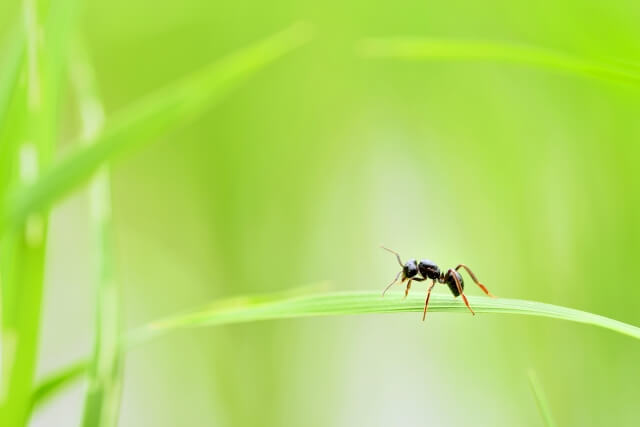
529 176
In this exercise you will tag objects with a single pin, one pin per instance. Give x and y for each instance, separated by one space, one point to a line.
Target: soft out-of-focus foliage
530 176
541 399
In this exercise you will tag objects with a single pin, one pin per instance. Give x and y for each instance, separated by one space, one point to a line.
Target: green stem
541 399
102 400
23 249
23 245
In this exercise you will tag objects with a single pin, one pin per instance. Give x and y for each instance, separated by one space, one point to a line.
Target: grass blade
33 138
452 50
341 303
102 401
9 85
23 248
541 399
150 118
51 385
283 306
10 71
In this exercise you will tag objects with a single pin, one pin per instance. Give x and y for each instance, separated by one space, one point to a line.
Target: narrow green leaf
359 303
10 73
33 139
24 247
102 401
150 118
541 399
60 24
283 306
51 385
476 50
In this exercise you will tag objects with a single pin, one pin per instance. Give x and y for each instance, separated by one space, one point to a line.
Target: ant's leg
406 291
394 281
452 273
426 302
475 279
395 253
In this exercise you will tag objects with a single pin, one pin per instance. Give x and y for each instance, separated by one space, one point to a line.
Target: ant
425 269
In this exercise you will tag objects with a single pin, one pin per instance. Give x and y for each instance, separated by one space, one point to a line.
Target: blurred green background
529 176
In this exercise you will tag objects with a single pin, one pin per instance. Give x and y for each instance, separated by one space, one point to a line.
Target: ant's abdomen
451 282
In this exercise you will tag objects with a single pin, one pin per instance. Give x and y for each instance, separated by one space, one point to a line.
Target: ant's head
410 269
429 269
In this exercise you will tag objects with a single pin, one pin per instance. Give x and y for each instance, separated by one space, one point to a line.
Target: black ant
425 269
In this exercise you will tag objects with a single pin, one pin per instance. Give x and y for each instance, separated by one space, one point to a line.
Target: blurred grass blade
541 399
9 82
33 137
51 385
22 276
283 306
150 118
10 71
448 50
102 400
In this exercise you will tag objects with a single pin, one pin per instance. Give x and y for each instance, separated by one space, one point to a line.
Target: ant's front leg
475 279
406 291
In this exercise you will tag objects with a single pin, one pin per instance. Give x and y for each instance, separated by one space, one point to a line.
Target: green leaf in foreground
149 119
284 306
451 50
31 144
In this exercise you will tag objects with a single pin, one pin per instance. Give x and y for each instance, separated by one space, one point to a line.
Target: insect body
428 270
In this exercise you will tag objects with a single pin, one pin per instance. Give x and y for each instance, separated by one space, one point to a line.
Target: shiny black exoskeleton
428 270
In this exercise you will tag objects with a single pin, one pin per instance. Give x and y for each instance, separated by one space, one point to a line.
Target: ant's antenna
390 284
395 253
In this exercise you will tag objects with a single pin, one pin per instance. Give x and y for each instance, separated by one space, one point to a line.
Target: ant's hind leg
475 279
390 284
453 274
